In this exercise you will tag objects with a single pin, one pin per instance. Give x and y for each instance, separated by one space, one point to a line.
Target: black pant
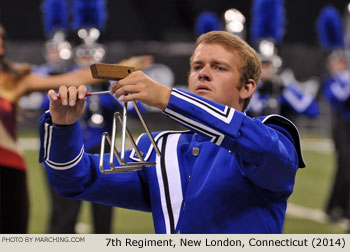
14 201
339 200
64 214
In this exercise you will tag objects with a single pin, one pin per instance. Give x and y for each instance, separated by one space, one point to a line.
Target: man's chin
203 93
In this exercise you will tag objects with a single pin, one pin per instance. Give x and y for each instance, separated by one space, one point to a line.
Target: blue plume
268 20
55 15
206 22
89 13
330 28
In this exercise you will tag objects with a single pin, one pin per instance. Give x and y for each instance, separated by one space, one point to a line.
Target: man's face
215 74
337 65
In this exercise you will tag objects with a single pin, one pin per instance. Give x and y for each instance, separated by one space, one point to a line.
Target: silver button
189 177
184 206
195 151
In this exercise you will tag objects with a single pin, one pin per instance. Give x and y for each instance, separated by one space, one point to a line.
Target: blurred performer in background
337 90
278 92
17 80
207 21
88 20
58 51
235 22
64 212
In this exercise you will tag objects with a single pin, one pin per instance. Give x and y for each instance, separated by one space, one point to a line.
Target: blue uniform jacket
291 99
337 91
237 181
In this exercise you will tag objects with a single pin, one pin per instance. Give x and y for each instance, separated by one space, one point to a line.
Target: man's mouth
204 88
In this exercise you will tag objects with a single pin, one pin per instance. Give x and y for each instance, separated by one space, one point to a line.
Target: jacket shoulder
288 126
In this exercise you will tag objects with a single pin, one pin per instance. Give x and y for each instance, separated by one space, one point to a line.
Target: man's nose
204 74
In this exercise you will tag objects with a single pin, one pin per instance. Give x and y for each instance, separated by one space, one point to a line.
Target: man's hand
68 109
138 86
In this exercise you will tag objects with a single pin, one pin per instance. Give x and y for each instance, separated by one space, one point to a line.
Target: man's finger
81 92
114 85
63 94
126 90
52 95
129 97
72 94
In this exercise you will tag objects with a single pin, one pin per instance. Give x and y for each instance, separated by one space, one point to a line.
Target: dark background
165 29
164 20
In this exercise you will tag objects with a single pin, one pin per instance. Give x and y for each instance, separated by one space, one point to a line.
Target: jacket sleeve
337 90
299 102
267 152
75 174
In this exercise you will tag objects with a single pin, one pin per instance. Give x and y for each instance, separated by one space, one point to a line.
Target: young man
336 89
228 173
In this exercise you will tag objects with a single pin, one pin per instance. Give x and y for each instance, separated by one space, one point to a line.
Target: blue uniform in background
337 91
290 101
228 173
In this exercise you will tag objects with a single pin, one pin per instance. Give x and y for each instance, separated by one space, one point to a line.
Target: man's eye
219 68
196 68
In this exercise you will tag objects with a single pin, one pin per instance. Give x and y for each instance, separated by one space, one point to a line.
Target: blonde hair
250 67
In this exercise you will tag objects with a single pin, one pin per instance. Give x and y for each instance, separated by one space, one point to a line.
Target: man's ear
247 89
